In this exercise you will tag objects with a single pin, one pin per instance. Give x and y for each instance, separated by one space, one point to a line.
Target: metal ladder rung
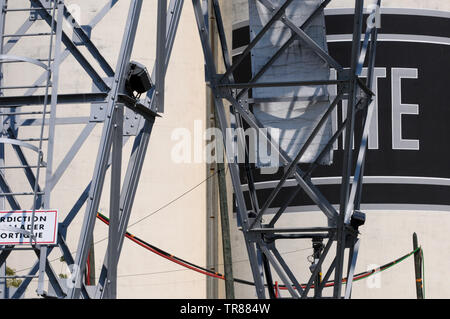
39 34
26 9
32 139
22 166
21 194
24 87
24 113
17 277
21 61
19 248
44 113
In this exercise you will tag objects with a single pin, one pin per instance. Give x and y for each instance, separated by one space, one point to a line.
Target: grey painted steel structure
260 238
109 95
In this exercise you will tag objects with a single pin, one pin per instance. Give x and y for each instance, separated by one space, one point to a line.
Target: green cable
393 264
423 272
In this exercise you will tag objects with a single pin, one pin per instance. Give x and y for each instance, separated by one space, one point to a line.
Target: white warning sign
16 226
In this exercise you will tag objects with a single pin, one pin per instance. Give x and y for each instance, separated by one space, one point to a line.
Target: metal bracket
76 39
131 123
344 75
98 110
34 15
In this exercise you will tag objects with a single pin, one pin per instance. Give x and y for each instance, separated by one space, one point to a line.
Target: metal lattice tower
261 237
110 102
46 109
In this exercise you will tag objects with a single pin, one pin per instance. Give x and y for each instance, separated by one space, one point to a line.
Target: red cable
185 265
88 279
210 274
164 256
174 260
276 289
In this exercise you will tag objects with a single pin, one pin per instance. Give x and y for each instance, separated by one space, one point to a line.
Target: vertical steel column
225 229
370 83
41 273
3 6
114 207
347 161
221 174
259 236
211 216
173 18
140 146
105 148
318 248
160 69
126 200
201 13
54 100
353 256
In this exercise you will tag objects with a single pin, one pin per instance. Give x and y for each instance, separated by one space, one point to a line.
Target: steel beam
277 15
114 206
223 86
160 68
84 62
53 99
347 161
289 170
105 145
201 14
305 38
283 48
140 146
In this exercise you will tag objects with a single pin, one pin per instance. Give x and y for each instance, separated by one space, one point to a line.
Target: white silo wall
386 236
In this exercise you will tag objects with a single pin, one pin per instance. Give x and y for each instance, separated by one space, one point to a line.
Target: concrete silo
405 188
